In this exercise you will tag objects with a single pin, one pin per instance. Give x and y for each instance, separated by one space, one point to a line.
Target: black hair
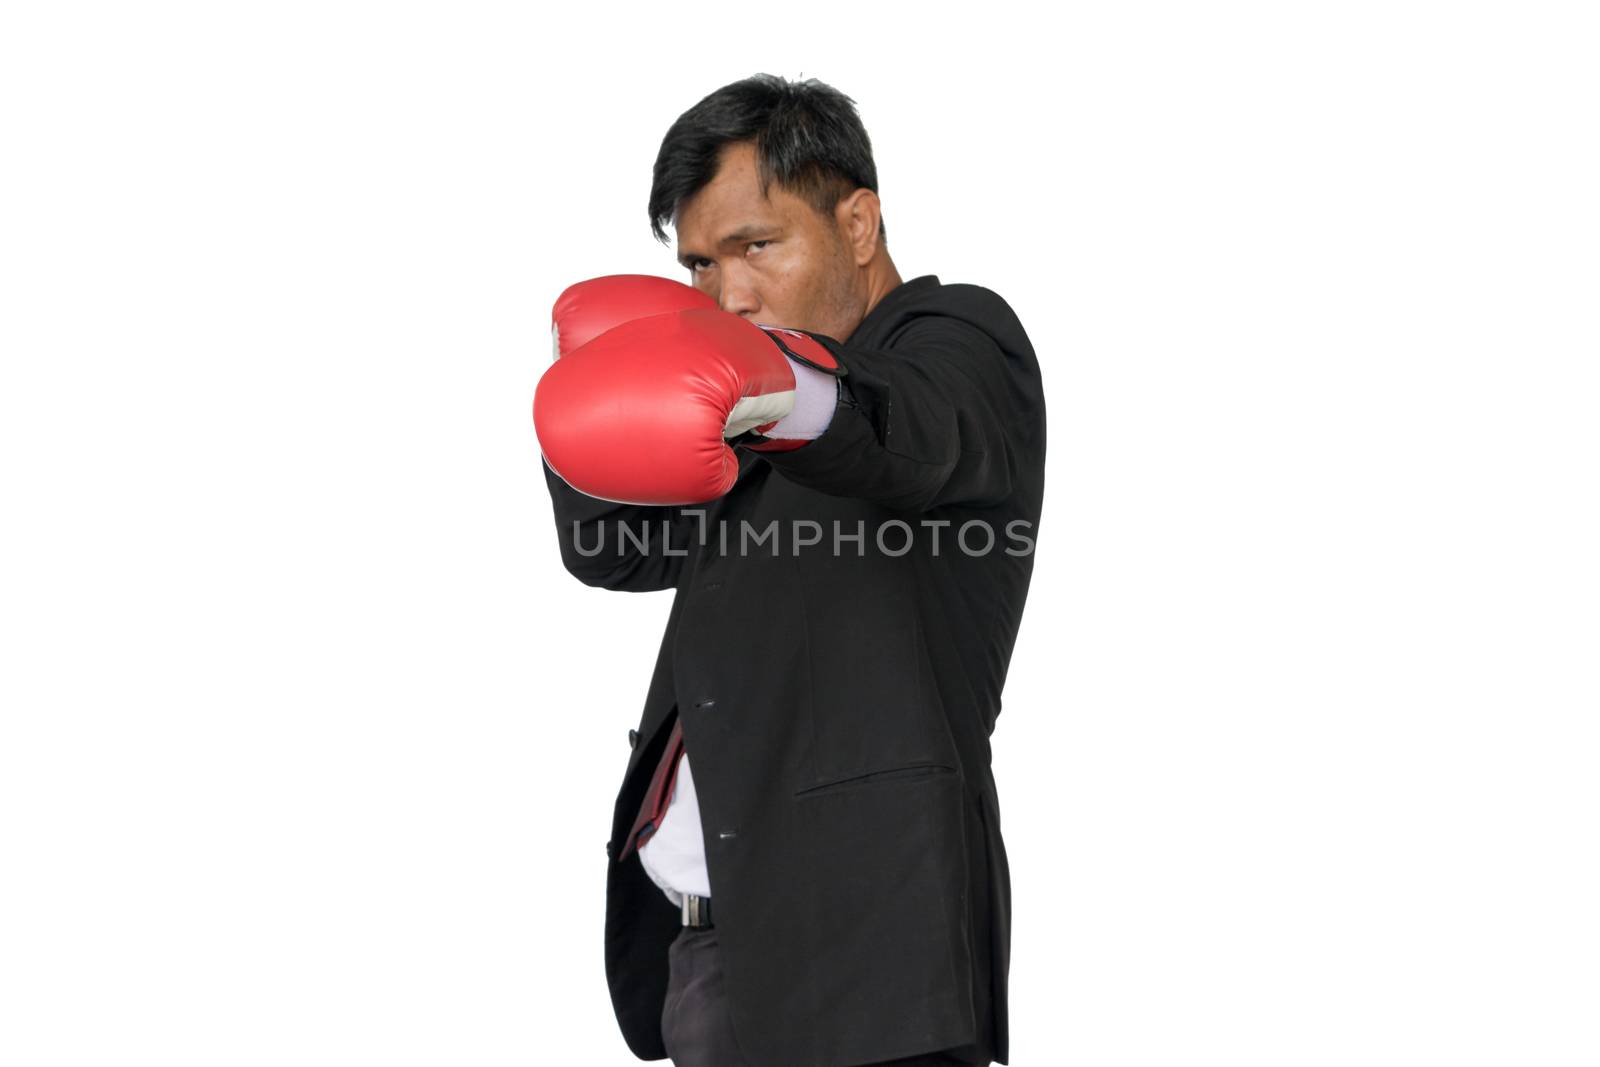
807 136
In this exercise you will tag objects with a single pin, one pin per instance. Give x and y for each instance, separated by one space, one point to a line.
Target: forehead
732 202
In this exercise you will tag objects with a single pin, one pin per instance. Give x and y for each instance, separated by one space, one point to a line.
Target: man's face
774 261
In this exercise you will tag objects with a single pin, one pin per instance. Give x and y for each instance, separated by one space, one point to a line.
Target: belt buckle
696 910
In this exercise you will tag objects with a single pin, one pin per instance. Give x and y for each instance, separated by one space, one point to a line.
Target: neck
882 278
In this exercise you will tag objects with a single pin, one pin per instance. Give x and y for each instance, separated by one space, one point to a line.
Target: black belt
696 910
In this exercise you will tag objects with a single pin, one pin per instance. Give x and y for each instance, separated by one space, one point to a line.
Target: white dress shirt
675 855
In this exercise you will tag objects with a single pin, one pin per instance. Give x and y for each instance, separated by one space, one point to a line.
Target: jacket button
633 738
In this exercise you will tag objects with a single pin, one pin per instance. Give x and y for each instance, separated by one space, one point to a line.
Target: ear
857 216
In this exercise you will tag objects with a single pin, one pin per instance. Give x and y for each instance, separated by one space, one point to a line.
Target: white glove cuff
816 394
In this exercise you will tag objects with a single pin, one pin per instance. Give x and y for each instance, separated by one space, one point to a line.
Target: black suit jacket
838 706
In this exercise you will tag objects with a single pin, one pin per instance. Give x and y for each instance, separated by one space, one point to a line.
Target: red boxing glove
642 413
587 309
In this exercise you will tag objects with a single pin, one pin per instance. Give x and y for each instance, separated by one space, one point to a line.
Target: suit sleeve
633 547
930 422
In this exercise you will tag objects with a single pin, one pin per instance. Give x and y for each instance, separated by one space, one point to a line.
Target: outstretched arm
941 418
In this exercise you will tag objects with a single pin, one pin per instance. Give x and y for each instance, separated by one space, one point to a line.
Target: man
881 445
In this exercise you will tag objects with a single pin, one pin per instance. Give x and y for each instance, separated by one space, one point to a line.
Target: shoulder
962 311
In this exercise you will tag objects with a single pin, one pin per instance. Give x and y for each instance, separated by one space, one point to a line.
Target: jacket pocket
881 879
886 774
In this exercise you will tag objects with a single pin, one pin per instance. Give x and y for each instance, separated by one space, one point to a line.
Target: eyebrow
743 233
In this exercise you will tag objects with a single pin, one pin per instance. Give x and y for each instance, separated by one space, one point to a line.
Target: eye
694 264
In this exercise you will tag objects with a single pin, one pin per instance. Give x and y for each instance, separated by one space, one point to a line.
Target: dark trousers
695 1023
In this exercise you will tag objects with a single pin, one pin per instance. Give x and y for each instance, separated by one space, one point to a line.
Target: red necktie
659 795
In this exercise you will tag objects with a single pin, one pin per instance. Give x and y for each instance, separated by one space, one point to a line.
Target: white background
310 745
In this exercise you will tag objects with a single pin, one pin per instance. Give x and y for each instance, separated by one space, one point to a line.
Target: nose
739 298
